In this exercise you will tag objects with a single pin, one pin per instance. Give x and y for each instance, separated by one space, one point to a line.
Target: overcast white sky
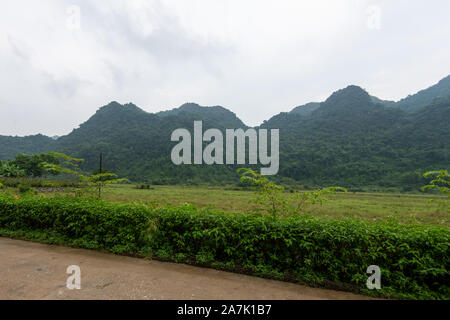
254 57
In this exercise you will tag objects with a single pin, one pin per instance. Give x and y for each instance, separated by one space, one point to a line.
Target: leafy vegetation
55 163
402 208
270 196
352 142
87 223
100 180
441 182
12 146
24 188
29 165
335 253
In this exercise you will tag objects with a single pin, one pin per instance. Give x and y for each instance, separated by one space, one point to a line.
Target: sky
62 60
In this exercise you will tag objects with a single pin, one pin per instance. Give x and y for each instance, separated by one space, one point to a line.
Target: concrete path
38 271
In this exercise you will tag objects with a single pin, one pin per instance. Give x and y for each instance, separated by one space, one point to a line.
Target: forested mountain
387 103
352 139
217 114
425 97
306 109
136 144
11 146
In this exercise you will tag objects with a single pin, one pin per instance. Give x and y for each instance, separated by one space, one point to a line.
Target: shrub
85 223
144 186
270 198
24 188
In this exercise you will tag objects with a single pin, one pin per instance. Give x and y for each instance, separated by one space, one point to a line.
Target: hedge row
414 260
85 223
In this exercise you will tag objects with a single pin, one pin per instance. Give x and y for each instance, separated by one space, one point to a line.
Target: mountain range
351 139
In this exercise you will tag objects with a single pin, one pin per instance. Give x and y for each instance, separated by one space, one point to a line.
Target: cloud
257 58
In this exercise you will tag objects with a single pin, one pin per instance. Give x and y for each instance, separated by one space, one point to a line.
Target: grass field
406 208
403 207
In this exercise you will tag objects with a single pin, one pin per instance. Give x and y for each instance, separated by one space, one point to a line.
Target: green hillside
425 97
11 146
136 144
352 139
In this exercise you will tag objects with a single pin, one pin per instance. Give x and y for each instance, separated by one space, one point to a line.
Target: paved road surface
38 271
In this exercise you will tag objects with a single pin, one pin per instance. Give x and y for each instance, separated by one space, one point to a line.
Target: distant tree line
31 166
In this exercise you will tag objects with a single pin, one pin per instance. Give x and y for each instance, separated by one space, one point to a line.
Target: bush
24 188
414 259
85 223
144 186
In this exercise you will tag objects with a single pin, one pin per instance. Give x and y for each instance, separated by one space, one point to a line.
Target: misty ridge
351 139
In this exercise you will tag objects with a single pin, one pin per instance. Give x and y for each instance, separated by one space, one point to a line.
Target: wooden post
100 171
101 160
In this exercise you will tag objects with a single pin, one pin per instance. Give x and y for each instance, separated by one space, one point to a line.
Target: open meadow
405 208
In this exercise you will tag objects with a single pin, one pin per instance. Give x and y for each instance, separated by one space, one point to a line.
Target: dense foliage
414 260
10 170
352 142
440 181
12 146
86 223
31 166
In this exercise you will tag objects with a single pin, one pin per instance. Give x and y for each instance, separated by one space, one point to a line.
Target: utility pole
101 160
100 172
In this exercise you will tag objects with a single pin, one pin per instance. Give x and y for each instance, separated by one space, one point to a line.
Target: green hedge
414 260
91 224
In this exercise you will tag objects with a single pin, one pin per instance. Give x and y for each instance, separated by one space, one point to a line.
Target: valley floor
404 208
38 271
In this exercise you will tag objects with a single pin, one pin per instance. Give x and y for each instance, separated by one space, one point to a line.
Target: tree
93 182
101 180
10 170
32 165
440 181
268 193
58 163
270 197
305 198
